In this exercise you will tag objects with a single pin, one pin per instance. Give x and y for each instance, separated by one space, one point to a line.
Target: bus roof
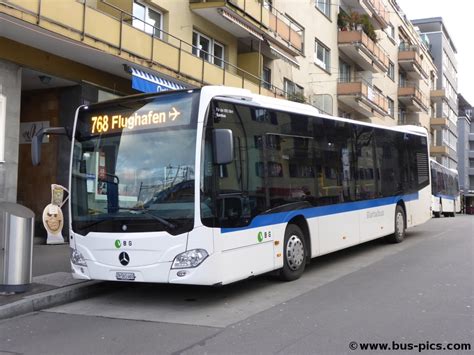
291 106
453 171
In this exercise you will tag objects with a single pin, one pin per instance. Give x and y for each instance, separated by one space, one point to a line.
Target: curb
52 298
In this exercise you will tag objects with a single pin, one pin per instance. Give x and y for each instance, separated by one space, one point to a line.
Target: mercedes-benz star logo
124 258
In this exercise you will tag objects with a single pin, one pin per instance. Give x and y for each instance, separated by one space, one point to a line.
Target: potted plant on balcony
353 20
368 27
296 97
342 23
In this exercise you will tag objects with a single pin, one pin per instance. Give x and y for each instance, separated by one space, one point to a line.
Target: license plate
125 276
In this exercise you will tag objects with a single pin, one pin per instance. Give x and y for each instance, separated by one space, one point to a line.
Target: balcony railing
411 94
380 11
372 52
361 91
268 18
440 122
111 26
438 95
439 150
286 29
410 60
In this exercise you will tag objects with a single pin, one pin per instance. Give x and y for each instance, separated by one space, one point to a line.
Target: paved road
415 292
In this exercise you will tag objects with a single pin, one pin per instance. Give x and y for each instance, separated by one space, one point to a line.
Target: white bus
215 185
445 199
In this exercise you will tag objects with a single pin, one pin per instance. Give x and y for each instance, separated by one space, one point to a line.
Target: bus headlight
77 258
189 259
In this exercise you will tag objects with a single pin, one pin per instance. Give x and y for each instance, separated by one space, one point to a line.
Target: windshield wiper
148 213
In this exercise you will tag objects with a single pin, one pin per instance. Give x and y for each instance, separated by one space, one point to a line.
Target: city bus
214 185
445 199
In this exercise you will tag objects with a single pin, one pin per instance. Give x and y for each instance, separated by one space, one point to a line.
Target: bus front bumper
206 273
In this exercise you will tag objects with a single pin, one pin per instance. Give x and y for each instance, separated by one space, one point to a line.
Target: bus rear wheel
399 234
294 252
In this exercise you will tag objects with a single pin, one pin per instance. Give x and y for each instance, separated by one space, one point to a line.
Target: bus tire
294 254
436 214
399 234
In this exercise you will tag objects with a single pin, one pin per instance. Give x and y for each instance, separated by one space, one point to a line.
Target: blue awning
146 82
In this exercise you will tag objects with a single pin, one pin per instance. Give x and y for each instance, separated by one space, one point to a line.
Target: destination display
165 111
114 122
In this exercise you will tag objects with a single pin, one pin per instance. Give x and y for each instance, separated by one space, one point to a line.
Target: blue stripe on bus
446 197
283 217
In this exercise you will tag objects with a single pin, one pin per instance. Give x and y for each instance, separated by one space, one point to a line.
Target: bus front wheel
399 234
294 252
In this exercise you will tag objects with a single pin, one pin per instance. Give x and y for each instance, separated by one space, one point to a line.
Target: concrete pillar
10 87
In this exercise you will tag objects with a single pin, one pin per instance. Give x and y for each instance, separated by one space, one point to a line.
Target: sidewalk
52 283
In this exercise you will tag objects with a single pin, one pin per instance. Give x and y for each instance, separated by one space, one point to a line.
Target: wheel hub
294 252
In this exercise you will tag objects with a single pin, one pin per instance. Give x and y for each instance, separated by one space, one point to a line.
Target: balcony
374 8
439 150
438 95
363 51
439 122
360 96
108 40
244 18
410 60
413 98
412 118
380 12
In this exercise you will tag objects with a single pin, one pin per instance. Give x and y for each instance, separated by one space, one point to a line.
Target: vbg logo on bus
261 236
122 243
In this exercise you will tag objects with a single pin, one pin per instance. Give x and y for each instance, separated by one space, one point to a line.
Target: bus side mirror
223 142
38 140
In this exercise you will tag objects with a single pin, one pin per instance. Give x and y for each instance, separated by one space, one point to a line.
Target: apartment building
444 95
465 149
382 53
355 58
56 55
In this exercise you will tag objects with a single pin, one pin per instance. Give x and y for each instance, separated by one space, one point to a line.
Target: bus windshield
133 165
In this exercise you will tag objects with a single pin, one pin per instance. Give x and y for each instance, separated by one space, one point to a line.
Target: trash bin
16 247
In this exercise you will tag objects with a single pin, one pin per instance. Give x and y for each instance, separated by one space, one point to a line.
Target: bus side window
364 161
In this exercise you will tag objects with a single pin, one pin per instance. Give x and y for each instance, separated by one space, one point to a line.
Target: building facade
444 95
466 153
379 48
360 59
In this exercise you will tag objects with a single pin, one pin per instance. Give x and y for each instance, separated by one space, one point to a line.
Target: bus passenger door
238 195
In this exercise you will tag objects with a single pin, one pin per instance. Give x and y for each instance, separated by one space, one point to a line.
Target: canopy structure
146 82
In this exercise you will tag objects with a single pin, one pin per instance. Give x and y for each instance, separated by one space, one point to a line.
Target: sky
457 17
